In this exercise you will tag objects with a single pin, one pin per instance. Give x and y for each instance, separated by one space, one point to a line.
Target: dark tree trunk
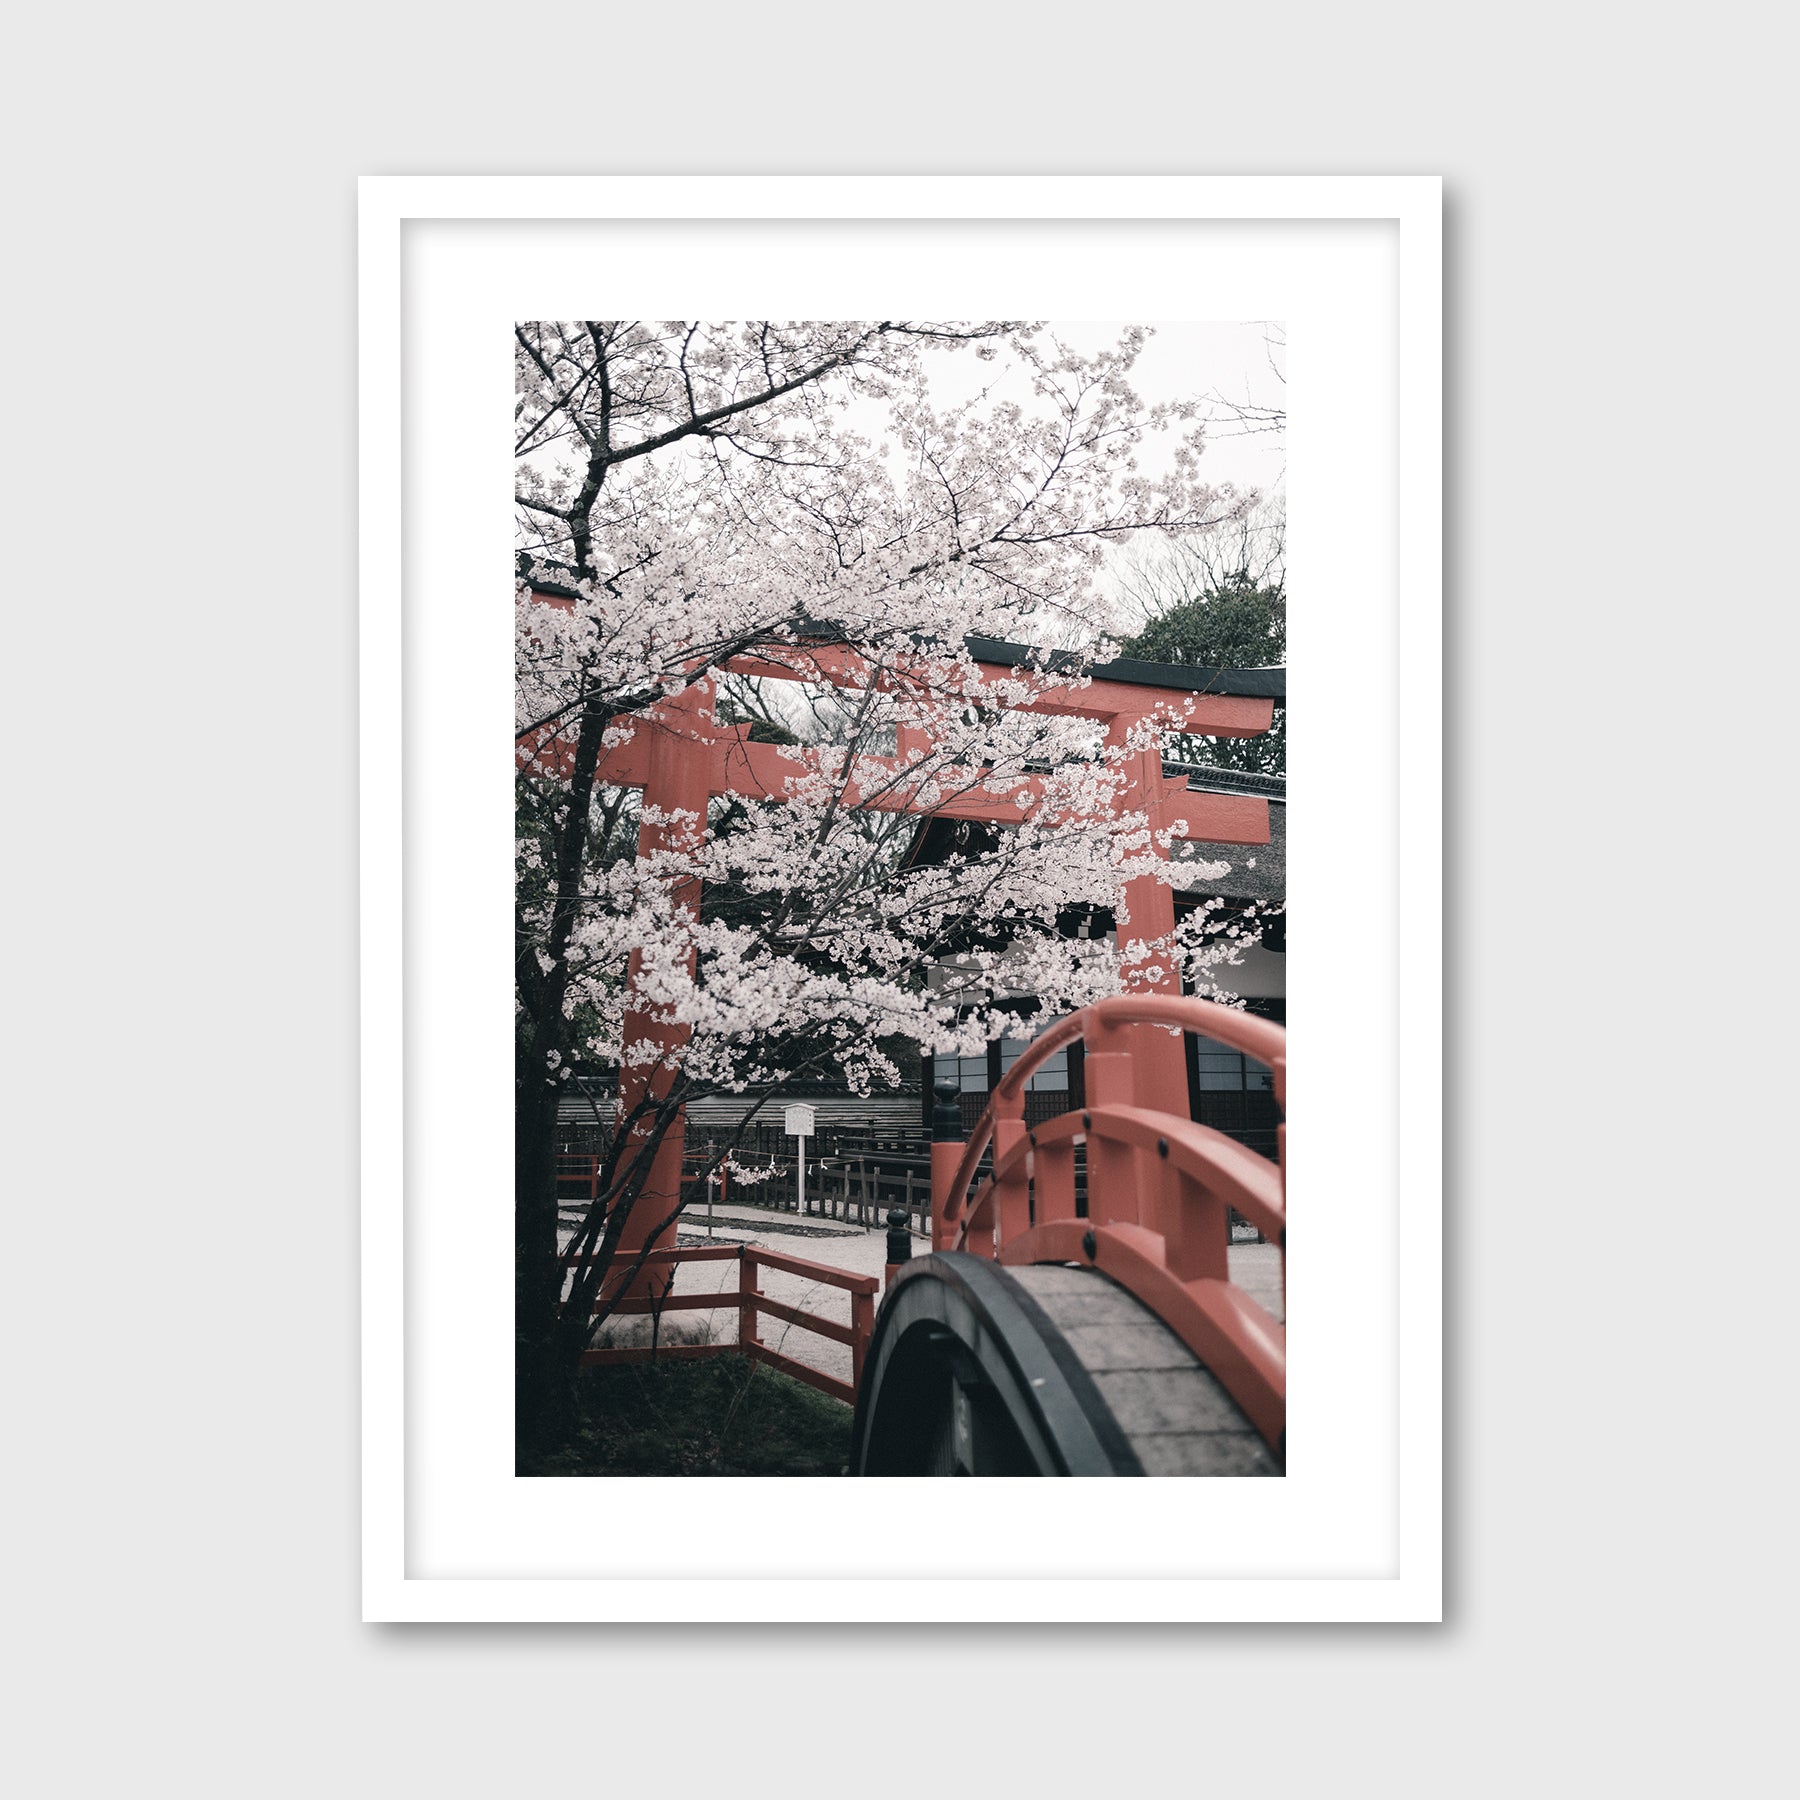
542 1386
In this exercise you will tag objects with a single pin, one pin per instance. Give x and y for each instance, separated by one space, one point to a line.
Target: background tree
690 493
1241 414
1218 601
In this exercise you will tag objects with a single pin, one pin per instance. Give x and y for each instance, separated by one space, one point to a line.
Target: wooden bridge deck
1176 1417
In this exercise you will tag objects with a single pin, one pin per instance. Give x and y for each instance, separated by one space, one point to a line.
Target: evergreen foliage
1236 623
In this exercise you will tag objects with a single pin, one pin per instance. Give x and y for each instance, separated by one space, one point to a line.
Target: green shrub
714 1415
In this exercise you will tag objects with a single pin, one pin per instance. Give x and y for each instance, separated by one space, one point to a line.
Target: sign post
800 1128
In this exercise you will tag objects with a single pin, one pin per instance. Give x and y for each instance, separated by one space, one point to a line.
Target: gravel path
1254 1267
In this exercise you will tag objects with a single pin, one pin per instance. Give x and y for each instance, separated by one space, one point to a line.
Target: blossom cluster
777 525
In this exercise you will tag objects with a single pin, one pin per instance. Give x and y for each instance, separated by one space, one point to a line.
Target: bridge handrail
1260 1039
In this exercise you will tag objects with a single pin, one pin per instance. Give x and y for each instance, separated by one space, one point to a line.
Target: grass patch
714 1415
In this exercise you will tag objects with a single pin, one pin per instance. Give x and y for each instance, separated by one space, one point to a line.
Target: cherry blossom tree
780 523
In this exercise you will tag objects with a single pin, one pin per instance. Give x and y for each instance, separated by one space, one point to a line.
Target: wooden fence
857 1190
748 1301
853 1187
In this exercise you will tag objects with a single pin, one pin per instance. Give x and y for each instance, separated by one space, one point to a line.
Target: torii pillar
678 780
1157 1072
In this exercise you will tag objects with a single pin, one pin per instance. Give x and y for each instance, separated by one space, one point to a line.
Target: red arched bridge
1077 1313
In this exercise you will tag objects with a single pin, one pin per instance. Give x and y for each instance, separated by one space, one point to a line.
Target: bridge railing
1130 1186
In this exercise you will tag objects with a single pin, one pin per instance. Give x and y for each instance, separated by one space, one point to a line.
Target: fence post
946 1153
746 1301
862 1322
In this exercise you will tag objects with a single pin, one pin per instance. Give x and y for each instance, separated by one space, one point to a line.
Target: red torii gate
681 755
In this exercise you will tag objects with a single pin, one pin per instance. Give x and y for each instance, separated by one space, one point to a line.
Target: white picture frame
1353 267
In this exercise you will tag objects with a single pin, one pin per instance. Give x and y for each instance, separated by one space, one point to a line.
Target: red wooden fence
748 1300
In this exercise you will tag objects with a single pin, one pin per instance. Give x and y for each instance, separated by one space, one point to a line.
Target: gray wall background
180 1161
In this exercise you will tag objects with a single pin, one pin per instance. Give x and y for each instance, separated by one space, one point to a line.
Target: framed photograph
830 897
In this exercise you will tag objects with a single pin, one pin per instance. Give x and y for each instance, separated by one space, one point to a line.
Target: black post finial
899 1244
946 1116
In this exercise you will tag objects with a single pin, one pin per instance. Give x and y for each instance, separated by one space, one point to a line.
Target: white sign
800 1125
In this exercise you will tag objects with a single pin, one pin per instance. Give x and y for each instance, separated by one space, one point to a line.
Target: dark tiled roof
1187 678
1204 779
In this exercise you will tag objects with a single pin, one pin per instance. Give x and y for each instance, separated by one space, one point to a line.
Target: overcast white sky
1184 360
